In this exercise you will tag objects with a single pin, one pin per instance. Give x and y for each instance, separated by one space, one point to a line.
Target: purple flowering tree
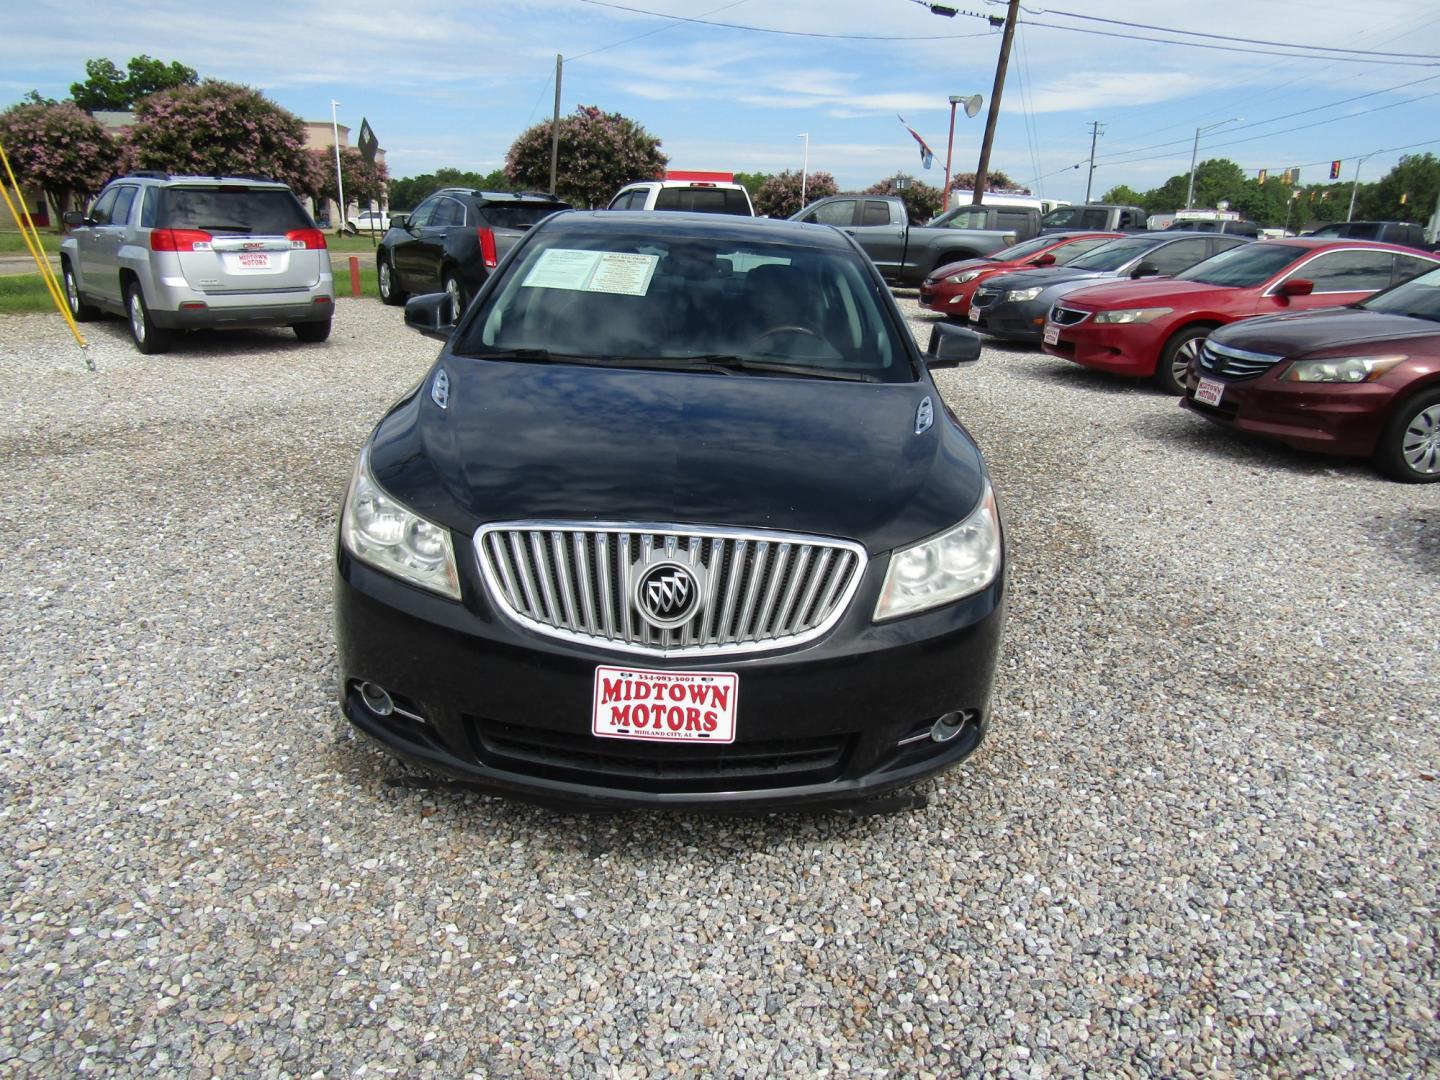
922 202
220 128
363 181
779 196
60 149
600 153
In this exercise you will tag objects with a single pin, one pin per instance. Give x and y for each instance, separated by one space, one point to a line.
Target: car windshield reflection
650 299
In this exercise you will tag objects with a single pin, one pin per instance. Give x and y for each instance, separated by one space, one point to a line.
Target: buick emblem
667 594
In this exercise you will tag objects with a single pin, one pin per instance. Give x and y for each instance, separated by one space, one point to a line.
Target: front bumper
1128 349
509 711
1013 320
1330 418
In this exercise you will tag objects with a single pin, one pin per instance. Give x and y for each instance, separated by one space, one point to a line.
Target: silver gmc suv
177 253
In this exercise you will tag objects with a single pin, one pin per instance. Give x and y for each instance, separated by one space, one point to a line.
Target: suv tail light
179 240
312 239
487 246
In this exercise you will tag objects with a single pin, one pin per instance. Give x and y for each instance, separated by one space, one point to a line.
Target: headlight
947 567
962 277
1342 369
1132 315
1024 294
388 536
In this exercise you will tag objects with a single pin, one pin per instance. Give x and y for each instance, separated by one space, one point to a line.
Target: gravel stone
1200 841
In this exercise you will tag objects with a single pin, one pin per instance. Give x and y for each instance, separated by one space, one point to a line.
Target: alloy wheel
1187 352
137 317
384 279
1420 445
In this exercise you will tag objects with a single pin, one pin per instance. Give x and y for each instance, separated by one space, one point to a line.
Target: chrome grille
1235 363
758 589
984 297
1067 316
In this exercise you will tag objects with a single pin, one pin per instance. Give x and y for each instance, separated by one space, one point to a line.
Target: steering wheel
775 331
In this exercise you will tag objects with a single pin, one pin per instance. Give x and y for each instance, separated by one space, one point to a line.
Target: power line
1289 116
1224 48
1283 131
791 33
1224 37
648 33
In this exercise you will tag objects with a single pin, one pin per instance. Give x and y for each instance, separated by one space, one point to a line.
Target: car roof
1326 243
499 196
714 226
190 180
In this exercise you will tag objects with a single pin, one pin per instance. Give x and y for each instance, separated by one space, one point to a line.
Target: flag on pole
927 156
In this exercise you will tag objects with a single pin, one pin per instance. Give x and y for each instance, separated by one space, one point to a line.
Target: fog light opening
950 725
376 699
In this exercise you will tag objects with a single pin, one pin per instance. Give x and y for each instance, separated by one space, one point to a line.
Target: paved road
23 264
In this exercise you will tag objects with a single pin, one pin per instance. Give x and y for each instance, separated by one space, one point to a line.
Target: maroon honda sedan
1362 380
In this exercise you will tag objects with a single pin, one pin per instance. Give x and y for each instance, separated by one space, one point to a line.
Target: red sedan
1155 327
948 290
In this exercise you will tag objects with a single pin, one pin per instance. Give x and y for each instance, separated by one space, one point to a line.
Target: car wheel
312 331
456 292
79 310
148 337
1409 447
389 288
1176 356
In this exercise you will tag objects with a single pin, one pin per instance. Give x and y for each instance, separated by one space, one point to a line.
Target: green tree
779 196
220 128
752 181
600 153
1123 195
107 87
922 202
1416 179
60 149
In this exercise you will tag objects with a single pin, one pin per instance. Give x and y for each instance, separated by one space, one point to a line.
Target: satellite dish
972 104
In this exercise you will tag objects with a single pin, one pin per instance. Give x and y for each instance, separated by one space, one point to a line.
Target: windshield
1419 298
651 296
1019 251
1243 266
1113 255
519 215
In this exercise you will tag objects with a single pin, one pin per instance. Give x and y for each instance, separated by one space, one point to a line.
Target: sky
453 84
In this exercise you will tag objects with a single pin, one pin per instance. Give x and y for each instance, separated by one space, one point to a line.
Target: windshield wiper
730 362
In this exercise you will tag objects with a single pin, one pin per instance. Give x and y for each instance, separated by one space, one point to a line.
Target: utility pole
804 167
1096 130
1012 15
1355 187
555 123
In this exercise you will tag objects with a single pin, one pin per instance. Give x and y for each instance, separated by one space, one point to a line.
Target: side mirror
1145 269
1044 259
430 314
952 345
73 218
400 221
1296 287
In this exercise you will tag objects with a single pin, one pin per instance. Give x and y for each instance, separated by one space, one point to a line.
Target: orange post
354 275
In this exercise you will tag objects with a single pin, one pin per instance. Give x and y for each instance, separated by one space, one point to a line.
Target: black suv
452 240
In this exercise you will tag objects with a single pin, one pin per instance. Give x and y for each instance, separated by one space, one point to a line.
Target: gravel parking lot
1201 840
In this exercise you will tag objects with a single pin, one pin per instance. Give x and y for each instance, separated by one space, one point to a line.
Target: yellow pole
37 252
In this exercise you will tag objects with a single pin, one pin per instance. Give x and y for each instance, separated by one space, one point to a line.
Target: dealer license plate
665 706
1209 392
974 313
252 260
1052 335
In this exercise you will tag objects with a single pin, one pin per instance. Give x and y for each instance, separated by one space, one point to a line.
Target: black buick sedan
677 517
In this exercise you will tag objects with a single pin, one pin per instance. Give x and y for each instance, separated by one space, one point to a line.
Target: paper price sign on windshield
592 271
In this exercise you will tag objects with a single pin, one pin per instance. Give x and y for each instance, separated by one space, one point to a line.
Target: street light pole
339 180
555 123
804 167
1355 187
972 106
1194 153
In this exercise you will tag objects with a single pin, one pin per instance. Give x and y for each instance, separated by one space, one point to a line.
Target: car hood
1328 329
1044 276
1147 292
960 267
567 442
